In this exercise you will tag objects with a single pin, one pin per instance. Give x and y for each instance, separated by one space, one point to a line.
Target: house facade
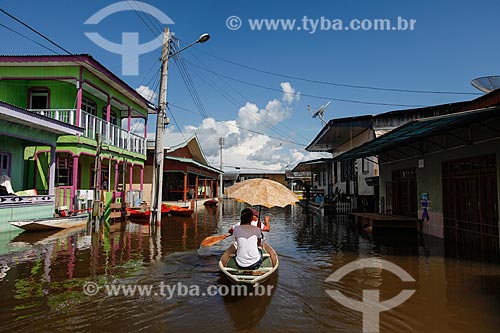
187 174
444 170
77 90
358 179
20 131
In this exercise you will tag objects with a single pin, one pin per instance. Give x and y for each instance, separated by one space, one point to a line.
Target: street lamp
157 186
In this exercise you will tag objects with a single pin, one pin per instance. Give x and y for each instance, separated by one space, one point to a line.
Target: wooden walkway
374 221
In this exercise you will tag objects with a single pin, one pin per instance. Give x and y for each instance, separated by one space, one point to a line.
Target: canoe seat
266 255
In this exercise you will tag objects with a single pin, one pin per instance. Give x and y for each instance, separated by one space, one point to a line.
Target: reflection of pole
156 193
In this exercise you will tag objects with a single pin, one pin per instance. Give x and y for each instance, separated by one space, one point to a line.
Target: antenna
320 112
487 83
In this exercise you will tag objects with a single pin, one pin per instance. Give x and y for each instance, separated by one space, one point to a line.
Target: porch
111 134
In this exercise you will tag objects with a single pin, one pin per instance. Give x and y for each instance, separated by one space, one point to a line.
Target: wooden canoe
227 265
181 211
211 202
57 223
142 216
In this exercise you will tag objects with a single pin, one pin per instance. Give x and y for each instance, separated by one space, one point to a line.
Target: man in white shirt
248 237
264 225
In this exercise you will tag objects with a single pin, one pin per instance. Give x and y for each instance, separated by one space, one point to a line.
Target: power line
235 102
335 83
302 94
243 128
35 31
32 40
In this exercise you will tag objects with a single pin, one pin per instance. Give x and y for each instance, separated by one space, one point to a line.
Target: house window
39 98
89 106
4 164
112 117
365 166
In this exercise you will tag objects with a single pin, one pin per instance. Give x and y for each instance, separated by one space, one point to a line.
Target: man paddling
264 226
248 238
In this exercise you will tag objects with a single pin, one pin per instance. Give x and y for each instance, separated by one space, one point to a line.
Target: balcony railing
110 133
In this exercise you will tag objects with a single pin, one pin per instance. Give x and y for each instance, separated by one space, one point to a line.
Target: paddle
212 240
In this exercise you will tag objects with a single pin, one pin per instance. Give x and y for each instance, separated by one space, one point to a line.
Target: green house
77 91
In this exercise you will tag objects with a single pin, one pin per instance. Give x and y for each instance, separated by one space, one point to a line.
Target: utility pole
161 121
221 143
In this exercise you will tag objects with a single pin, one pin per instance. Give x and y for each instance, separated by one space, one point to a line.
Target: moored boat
270 263
142 216
211 202
56 223
181 211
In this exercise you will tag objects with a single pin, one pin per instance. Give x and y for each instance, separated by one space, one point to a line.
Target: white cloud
289 94
147 93
246 142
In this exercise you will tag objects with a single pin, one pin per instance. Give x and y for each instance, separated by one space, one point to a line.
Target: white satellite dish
487 83
320 112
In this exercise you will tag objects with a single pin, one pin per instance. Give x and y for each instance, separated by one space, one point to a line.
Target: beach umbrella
262 192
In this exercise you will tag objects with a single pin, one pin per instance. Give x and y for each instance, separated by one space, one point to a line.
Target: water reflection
43 275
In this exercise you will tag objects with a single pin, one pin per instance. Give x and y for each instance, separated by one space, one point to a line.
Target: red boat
211 202
181 211
142 216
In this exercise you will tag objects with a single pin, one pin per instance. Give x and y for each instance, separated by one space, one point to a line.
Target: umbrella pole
259 212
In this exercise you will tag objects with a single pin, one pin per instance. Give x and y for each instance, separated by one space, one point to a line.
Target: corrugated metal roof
418 130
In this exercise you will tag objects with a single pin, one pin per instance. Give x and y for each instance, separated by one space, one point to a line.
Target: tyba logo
129 49
371 306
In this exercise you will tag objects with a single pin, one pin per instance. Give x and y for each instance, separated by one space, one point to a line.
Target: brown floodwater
43 279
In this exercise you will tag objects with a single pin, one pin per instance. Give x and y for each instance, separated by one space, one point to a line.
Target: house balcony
111 134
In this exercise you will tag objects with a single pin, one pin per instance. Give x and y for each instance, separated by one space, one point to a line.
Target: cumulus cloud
147 93
247 143
289 94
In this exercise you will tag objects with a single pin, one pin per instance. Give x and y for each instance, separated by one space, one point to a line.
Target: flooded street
43 289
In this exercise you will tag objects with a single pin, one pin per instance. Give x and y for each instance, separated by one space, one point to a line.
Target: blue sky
452 43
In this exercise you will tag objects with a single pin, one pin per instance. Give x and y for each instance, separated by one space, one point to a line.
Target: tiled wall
434 226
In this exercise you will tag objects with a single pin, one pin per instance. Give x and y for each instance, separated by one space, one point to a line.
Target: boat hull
249 277
52 223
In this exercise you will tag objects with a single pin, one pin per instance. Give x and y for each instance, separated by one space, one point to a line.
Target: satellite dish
320 112
487 83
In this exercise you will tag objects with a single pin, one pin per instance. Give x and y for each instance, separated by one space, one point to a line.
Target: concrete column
130 180
185 186
52 170
116 176
196 188
142 178
75 175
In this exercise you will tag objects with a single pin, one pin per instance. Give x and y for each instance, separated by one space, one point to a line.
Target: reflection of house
20 131
79 91
443 170
186 171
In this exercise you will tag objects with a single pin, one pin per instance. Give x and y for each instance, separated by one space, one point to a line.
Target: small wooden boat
56 223
211 202
227 265
142 216
181 211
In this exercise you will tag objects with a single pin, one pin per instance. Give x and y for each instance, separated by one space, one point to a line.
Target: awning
312 164
428 135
